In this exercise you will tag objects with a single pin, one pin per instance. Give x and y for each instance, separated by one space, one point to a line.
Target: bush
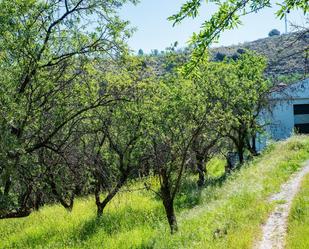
235 56
241 51
220 56
274 32
140 52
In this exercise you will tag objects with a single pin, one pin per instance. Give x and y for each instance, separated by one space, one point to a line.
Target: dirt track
274 230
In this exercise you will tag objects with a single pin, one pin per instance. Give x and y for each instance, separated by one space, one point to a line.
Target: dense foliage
52 57
79 115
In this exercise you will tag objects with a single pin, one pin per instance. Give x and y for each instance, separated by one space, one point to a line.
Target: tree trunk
168 203
170 214
101 205
23 209
228 167
38 200
230 163
254 143
7 186
201 170
240 143
100 209
241 155
251 145
68 206
16 214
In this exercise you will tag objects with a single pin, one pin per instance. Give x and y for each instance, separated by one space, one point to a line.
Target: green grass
225 214
215 167
298 228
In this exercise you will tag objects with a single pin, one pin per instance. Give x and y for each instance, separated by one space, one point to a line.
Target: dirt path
274 230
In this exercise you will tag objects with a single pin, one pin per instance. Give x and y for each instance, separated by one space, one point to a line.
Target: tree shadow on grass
111 223
190 195
115 222
217 182
130 218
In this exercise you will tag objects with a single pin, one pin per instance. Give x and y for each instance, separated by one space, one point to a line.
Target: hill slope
225 214
286 53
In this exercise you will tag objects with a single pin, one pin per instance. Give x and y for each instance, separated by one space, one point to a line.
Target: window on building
301 118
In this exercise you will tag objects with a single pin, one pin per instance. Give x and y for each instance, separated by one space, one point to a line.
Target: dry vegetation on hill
286 53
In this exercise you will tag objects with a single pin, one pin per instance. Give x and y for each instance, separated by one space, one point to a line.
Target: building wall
280 118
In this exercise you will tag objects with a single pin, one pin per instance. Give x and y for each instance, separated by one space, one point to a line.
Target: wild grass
298 227
227 213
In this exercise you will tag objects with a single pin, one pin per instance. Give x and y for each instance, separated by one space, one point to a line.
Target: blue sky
155 32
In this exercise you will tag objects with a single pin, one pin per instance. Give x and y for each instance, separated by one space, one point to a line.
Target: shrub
235 56
220 56
274 32
241 51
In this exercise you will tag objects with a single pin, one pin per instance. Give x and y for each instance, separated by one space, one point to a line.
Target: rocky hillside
287 54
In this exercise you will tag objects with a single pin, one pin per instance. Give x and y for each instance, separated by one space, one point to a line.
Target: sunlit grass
215 167
225 214
298 227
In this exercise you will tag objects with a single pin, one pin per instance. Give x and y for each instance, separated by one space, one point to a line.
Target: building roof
297 90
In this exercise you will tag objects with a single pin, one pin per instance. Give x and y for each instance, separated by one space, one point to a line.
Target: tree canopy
80 115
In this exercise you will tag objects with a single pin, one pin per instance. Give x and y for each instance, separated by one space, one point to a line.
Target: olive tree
117 140
238 92
48 81
172 129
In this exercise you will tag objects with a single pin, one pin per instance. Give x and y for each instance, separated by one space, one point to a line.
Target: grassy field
298 228
225 214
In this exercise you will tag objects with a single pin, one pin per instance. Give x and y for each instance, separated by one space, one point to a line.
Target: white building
288 113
